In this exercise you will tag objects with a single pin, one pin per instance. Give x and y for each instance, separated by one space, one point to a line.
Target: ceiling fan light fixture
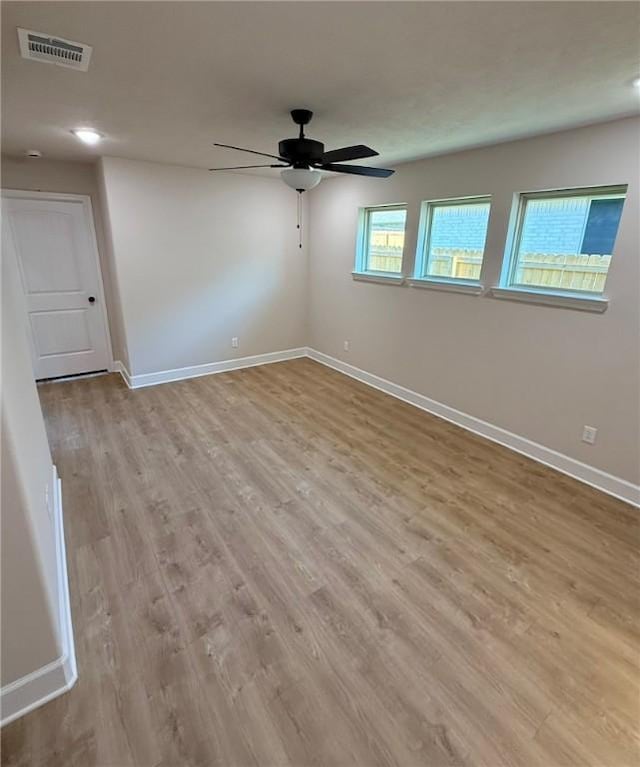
301 179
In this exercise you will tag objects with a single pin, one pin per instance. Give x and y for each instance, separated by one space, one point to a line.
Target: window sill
588 303
388 279
462 286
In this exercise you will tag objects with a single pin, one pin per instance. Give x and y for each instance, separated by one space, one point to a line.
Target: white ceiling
409 79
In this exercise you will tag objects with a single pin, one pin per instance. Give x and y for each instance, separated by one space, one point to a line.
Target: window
451 240
381 240
563 241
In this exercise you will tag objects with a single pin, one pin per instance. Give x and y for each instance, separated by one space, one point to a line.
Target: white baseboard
120 367
180 374
619 488
46 683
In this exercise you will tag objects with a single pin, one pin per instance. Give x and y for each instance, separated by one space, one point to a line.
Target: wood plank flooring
281 566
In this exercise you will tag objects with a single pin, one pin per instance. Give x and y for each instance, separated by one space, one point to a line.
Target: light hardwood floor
282 566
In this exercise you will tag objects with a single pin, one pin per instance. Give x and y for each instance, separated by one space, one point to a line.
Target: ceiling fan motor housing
302 152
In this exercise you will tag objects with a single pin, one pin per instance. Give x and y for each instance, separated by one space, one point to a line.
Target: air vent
39 46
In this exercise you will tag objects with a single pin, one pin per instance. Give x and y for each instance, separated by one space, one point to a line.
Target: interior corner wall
41 175
539 372
119 339
31 634
201 258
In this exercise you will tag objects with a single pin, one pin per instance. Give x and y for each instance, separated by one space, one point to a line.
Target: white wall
72 178
31 634
540 372
200 258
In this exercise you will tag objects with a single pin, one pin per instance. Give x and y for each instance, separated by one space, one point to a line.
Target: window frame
420 277
362 246
507 282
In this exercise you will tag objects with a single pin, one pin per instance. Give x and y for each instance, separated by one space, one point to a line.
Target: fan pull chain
300 219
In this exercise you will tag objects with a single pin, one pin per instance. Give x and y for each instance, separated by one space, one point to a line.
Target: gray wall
540 372
200 258
29 601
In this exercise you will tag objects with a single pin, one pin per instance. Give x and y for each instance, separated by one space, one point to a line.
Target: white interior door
55 248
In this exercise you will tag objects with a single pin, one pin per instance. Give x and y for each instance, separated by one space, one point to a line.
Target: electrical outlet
589 434
234 342
347 345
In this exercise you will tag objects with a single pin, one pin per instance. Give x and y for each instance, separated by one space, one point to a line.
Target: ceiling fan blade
358 170
358 152
252 151
239 167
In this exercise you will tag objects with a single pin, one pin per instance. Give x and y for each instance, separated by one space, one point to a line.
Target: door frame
87 209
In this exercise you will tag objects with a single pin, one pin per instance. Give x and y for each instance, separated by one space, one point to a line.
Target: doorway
54 241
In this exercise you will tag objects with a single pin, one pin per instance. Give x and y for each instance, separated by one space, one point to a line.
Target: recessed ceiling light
87 135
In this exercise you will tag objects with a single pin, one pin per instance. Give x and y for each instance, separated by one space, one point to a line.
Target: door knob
92 299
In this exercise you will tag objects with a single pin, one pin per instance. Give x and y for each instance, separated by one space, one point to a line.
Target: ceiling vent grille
39 46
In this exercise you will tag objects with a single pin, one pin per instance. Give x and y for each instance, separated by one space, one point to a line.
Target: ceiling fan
303 158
